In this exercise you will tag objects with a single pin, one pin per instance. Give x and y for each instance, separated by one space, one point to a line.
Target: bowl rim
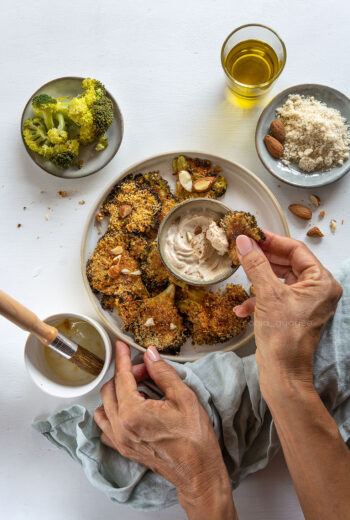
116 107
258 145
126 171
258 85
168 216
66 391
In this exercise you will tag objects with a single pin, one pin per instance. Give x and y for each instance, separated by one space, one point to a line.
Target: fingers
163 374
255 265
102 421
107 441
284 272
140 372
109 400
245 309
125 382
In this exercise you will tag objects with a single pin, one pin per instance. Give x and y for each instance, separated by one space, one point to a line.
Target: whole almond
300 211
314 232
124 210
277 130
203 184
274 147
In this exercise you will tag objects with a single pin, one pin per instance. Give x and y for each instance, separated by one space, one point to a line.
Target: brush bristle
87 361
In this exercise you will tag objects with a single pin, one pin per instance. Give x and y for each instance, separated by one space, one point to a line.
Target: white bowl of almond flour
316 145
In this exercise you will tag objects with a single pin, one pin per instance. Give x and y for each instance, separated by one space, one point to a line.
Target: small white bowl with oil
56 375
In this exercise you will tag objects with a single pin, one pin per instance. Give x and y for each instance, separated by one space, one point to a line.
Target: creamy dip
197 247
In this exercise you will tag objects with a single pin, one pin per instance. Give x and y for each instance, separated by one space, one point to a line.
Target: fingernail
153 354
244 244
235 309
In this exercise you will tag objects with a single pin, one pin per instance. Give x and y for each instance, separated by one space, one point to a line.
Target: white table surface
161 61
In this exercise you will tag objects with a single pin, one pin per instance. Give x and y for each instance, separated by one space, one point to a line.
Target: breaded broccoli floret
35 135
105 269
199 168
161 187
92 111
132 207
210 314
154 274
159 323
238 223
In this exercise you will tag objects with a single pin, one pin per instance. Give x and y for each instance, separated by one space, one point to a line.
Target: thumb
162 373
255 264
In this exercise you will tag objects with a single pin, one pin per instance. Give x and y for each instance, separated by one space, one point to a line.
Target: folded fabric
228 388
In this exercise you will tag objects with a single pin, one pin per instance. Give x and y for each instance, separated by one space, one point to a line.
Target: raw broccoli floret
92 111
35 135
51 111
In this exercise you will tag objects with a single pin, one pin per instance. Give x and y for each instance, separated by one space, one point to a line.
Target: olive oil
252 63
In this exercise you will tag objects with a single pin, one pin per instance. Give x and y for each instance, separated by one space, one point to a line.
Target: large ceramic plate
245 192
292 174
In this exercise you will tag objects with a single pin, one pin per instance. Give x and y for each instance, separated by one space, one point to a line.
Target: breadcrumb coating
238 223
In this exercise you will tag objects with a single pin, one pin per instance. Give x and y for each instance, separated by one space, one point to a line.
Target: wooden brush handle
26 319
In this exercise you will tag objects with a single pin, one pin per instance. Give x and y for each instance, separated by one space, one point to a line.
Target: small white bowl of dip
184 245
54 374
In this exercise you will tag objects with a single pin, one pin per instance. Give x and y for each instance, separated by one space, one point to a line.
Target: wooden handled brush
48 335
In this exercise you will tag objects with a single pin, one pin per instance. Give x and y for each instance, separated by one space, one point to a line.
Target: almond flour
317 136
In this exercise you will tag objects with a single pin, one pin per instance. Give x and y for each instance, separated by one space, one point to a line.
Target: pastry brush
48 335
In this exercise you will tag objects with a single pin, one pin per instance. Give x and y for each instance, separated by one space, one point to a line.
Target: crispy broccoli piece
161 187
240 223
92 111
48 109
102 144
158 323
142 204
210 314
199 168
154 274
36 138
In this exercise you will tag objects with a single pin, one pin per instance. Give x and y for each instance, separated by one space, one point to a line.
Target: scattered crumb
342 221
81 202
42 191
333 225
322 213
62 193
37 237
279 185
24 208
74 191
80 164
19 225
99 233
47 217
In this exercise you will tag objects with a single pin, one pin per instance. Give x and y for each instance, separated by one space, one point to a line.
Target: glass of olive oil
252 56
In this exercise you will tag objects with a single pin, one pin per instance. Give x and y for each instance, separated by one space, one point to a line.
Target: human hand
173 437
289 317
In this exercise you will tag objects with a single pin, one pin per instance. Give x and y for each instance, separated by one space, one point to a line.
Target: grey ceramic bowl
181 209
92 161
292 174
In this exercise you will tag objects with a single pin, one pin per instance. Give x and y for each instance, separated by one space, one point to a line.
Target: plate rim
258 146
91 216
117 110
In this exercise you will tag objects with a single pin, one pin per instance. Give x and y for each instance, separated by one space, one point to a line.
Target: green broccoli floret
51 111
102 144
92 111
36 137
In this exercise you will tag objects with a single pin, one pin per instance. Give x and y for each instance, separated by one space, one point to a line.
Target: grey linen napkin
228 388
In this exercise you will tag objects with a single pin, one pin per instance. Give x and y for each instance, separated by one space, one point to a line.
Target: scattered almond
315 200
277 130
203 184
322 213
300 211
62 193
274 147
124 210
19 225
149 322
81 202
114 271
314 232
333 225
117 250
198 230
185 180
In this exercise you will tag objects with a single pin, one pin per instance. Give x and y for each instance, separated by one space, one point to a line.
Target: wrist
210 503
